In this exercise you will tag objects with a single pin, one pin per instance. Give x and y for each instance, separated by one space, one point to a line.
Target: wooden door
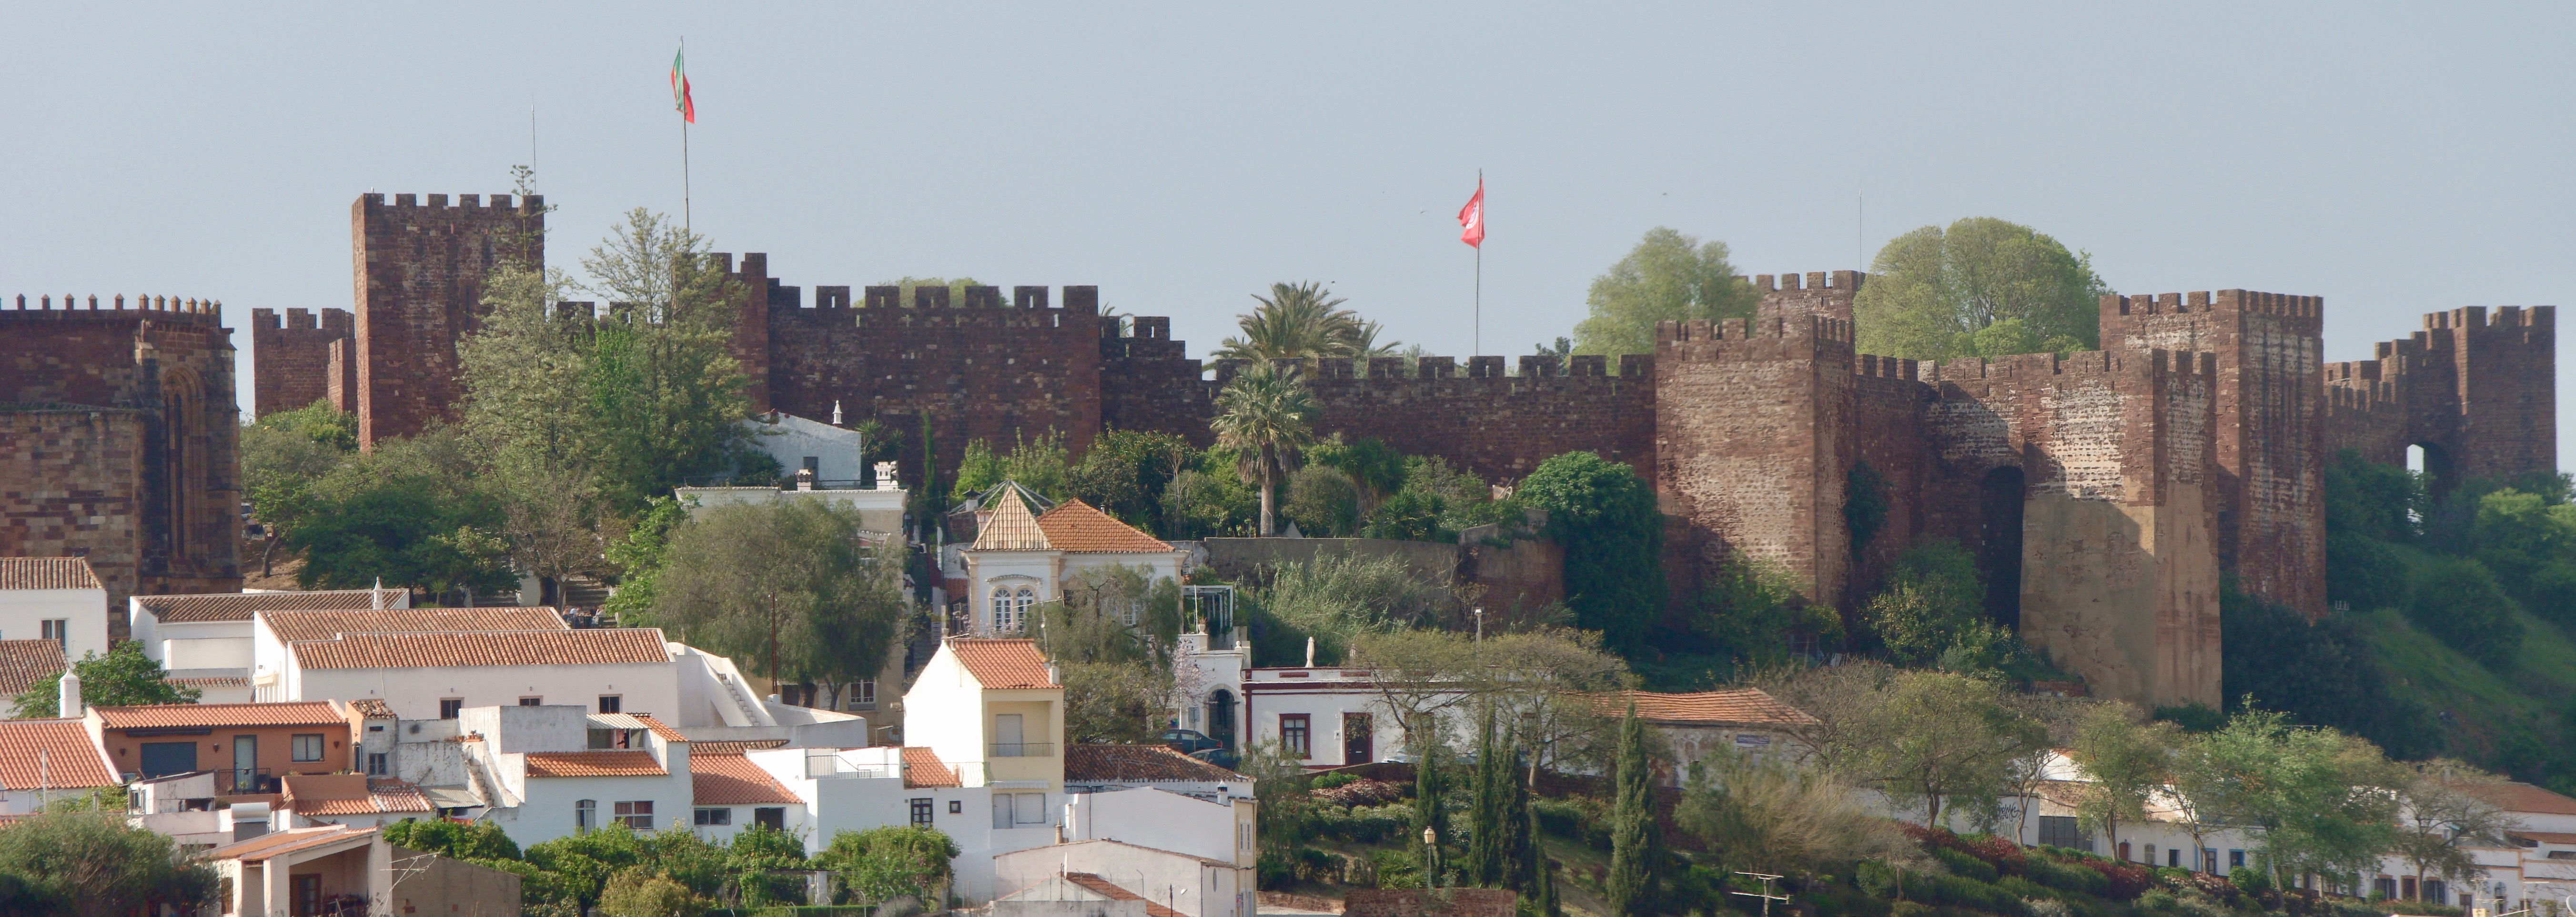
1358 739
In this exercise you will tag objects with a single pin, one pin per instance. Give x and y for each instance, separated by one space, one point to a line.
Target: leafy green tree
639 555
2372 500
1430 782
1937 294
1303 321
1749 610
1338 596
1934 602
1202 504
1630 887
1126 473
1038 464
787 582
1668 277
2458 602
2444 813
1323 501
2323 673
1489 840
1265 416
1770 816
1372 466
2128 761
882 864
1604 516
637 893
122 678
2530 544
283 456
475 841
760 863
410 513
1939 741
93 864
2320 801
664 386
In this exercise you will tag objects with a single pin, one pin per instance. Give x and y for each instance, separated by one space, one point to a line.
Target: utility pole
1766 895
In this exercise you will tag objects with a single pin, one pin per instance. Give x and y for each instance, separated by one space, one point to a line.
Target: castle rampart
295 363
420 269
2477 390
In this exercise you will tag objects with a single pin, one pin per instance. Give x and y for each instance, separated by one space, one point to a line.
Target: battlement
1840 281
1702 331
2220 301
1077 299
170 309
2155 363
499 203
2504 317
1632 367
335 320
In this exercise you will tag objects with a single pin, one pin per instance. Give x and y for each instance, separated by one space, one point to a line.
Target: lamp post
1430 857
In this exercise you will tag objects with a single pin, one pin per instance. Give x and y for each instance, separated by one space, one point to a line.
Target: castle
2103 493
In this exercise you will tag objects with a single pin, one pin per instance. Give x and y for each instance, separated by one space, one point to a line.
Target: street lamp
1430 857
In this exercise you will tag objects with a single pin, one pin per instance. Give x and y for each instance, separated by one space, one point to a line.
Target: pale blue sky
2394 159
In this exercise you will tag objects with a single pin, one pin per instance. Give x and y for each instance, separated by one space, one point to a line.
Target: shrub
2024 888
1359 792
1963 892
2459 603
2249 880
1965 865
1329 781
2420 908
1909 909
1558 817
2051 871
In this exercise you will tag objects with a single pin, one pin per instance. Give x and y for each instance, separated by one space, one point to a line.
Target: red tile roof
732 780
47 573
1084 763
922 768
1000 664
293 625
50 753
155 716
733 748
373 708
23 663
1102 886
287 841
349 794
214 681
238 606
606 646
1010 526
593 764
1075 526
1732 706
2523 797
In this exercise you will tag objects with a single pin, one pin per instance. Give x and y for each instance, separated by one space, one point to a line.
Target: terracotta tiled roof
733 748
732 780
54 753
294 625
2546 837
1747 706
2523 797
349 794
215 681
922 768
1115 893
1002 663
638 721
297 713
593 764
1075 526
287 841
1011 527
1086 763
23 663
47 573
605 646
373 708
237 606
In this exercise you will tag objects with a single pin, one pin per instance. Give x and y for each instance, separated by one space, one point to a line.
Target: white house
834 468
1325 717
273 631
1171 883
1021 557
1701 725
45 760
319 870
208 635
351 799
436 675
546 772
53 598
2538 866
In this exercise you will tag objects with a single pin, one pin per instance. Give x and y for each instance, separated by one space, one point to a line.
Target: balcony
245 781
1023 750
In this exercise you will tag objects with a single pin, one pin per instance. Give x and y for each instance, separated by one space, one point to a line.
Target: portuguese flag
680 87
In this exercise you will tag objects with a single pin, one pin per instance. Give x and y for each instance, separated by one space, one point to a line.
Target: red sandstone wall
980 370
71 485
2419 390
1753 434
1827 294
419 278
2271 410
291 365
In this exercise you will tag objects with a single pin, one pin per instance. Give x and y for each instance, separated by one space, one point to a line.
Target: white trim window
1001 609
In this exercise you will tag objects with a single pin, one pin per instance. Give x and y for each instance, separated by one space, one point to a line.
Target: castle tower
2477 390
2270 435
1753 430
419 277
292 365
1821 293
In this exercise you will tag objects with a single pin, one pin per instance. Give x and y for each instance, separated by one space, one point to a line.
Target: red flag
680 88
1471 218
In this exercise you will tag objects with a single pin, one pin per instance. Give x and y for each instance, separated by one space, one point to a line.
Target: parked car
1219 757
1189 741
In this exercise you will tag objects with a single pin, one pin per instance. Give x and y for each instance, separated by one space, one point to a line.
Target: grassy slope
2483 703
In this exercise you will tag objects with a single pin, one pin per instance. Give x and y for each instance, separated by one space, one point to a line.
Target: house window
637 815
532 701
921 812
308 747
585 815
2235 858
376 764
2173 857
715 815
1293 733
863 694
1001 610
957 807
307 892
58 630
773 818
609 703
2062 831
1019 810
449 707
2208 860
2384 887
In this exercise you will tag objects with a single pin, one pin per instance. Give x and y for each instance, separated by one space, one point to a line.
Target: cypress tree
1632 823
1428 787
1514 838
1536 884
1488 843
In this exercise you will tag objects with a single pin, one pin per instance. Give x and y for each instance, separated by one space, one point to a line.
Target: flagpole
686 224
1479 347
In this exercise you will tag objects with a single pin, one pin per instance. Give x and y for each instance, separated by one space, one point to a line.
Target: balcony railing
1023 749
245 781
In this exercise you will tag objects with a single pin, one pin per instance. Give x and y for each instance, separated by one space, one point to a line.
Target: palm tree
1302 321
1265 416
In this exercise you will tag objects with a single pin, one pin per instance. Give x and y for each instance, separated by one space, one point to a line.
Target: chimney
836 412
376 596
1055 674
1310 652
68 703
